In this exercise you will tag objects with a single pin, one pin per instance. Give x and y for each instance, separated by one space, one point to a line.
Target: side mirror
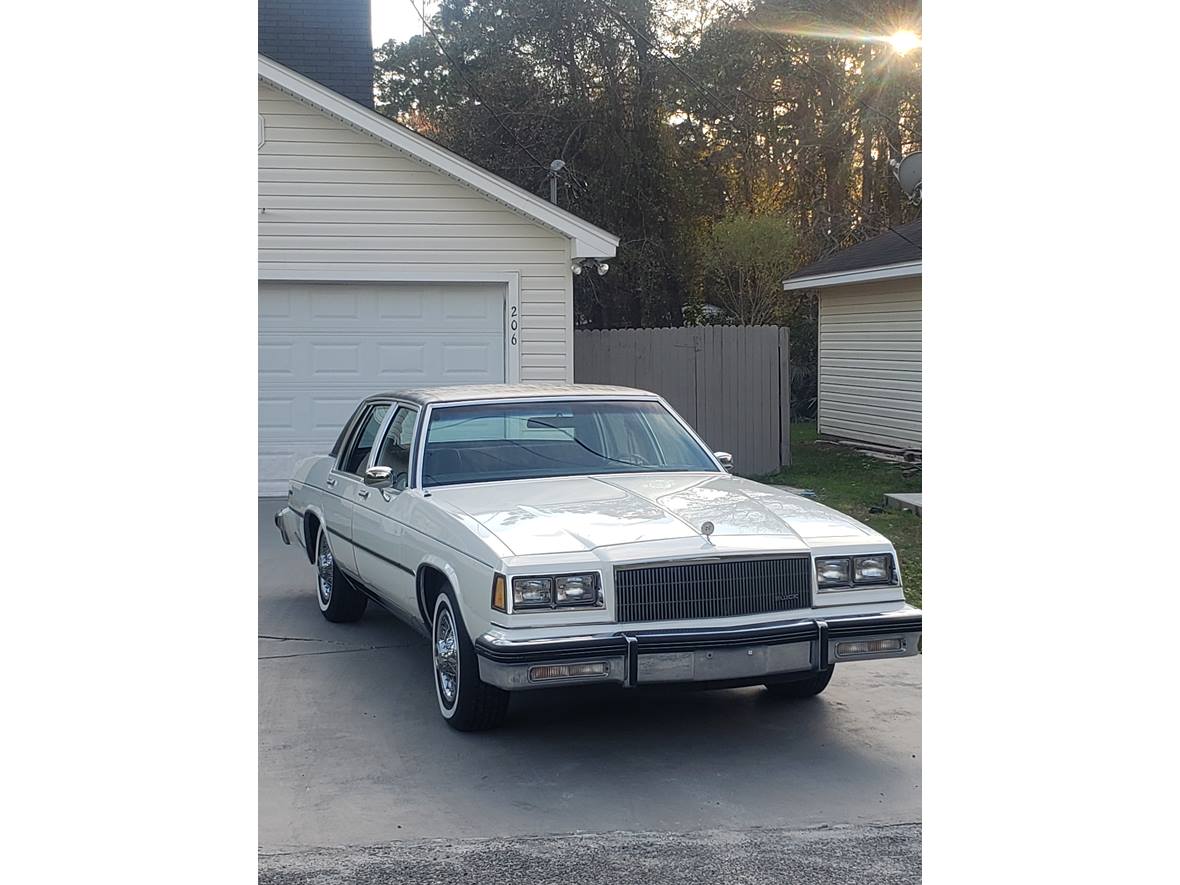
726 460
379 477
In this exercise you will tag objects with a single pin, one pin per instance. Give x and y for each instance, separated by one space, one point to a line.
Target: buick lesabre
571 535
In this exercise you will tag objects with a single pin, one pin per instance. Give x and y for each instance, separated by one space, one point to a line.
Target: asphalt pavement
360 778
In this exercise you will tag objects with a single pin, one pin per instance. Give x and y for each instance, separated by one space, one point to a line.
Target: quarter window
362 443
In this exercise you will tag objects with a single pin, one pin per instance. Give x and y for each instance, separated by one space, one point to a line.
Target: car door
346 484
379 520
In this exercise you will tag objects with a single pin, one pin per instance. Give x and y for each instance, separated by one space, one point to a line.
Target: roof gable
589 241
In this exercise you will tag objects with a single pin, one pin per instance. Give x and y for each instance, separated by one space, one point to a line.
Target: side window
395 449
362 442
348 425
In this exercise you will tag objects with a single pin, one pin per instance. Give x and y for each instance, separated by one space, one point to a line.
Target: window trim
383 433
354 432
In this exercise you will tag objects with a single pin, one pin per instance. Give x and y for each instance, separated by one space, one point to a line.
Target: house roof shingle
894 246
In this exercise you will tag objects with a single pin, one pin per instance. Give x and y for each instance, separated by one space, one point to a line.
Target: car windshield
491 442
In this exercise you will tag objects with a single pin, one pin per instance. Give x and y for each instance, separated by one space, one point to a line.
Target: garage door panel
461 362
276 413
276 360
409 307
323 347
334 304
336 359
403 360
459 307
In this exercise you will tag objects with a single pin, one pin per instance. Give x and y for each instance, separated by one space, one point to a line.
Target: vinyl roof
464 392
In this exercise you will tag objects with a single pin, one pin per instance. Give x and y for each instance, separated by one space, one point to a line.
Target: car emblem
706 528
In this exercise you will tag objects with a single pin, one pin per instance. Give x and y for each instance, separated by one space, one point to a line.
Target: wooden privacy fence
731 383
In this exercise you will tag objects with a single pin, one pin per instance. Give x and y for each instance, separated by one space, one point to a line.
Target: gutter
865 275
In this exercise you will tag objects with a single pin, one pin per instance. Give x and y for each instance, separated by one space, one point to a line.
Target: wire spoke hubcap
446 657
324 563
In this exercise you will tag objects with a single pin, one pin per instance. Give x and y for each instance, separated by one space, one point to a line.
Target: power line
615 14
894 230
462 71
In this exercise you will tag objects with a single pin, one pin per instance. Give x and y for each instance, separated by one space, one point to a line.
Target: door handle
364 493
330 481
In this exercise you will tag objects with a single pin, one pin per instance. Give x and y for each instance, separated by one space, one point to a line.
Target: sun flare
903 41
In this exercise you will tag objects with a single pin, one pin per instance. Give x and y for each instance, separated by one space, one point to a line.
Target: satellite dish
909 174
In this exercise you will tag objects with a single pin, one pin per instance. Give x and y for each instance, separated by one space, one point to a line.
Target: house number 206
514 323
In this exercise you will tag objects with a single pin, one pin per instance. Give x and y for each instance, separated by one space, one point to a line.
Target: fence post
784 386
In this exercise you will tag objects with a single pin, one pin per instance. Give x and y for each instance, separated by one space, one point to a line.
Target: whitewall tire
339 600
465 701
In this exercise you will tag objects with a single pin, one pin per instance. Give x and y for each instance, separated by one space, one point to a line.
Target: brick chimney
329 41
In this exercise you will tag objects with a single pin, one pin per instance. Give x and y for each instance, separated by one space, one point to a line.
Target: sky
397 19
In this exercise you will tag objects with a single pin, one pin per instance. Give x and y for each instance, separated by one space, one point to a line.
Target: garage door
322 347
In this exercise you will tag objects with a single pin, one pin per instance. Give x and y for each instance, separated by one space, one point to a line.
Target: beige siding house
385 260
870 339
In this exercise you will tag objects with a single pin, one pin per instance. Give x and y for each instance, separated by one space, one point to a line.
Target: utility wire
576 186
894 230
705 91
462 71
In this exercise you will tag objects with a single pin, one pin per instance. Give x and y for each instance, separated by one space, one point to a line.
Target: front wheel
465 701
808 687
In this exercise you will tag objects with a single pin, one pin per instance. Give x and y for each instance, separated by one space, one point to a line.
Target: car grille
719 589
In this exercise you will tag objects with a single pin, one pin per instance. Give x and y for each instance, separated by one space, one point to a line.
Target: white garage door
322 347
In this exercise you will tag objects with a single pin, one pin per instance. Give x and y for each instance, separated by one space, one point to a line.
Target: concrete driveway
353 752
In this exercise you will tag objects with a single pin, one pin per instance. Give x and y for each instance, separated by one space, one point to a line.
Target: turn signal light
867 647
566 671
500 594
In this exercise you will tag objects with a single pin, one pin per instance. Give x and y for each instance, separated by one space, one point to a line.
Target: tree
744 260
678 121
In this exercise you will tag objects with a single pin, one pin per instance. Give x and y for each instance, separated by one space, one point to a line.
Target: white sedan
571 535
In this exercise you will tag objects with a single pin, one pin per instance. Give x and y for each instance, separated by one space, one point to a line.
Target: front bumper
727 656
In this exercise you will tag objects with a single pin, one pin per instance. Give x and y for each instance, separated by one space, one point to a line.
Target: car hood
575 514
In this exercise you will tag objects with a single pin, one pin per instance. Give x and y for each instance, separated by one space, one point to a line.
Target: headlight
872 569
577 589
832 572
557 591
532 592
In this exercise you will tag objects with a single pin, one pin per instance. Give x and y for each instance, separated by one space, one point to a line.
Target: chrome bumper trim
643 657
281 527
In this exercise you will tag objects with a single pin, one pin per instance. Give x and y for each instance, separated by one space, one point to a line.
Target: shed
386 261
870 339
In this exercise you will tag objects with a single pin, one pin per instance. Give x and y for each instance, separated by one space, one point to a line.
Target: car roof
424 396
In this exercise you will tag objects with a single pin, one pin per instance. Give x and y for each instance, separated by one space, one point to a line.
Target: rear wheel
339 600
465 701
808 687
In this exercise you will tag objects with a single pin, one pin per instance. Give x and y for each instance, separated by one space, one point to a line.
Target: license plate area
704 665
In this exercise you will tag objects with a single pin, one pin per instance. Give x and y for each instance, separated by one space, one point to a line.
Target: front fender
465 579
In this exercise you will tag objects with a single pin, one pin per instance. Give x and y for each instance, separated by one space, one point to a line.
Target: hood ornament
707 530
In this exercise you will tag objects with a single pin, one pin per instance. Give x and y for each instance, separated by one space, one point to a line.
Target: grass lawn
852 483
